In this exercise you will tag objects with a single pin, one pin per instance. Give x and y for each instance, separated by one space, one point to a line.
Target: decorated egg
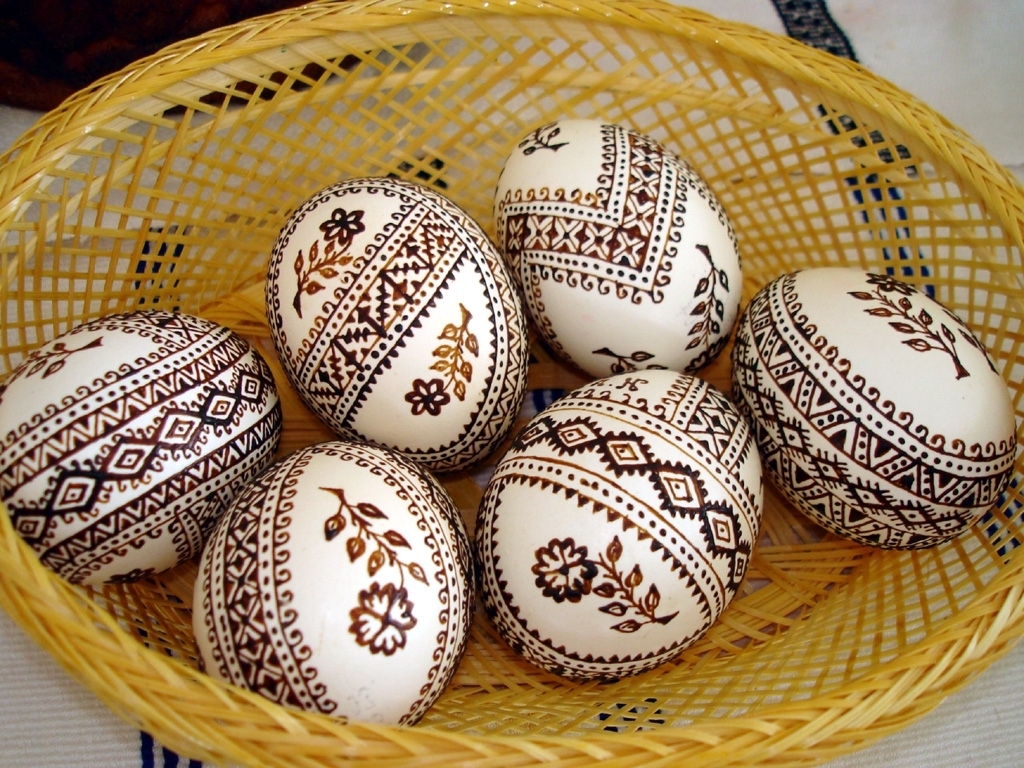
619 525
123 440
876 410
626 258
340 581
397 322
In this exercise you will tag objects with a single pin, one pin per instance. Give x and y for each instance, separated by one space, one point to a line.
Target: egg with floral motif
877 411
626 258
340 581
619 525
397 322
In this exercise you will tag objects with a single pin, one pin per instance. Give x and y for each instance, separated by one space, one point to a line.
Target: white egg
619 525
626 258
876 410
397 322
123 440
340 581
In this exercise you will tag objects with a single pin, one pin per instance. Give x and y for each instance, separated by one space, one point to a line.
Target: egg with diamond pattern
626 258
619 525
123 440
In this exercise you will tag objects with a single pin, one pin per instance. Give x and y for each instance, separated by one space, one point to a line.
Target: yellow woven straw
166 185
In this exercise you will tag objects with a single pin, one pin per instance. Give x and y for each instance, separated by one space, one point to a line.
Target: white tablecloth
965 59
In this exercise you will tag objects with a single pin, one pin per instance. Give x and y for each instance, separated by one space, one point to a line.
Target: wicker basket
166 185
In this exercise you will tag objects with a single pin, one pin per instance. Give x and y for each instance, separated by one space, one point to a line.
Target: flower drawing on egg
566 573
338 233
427 397
710 309
135 574
923 333
342 226
431 396
382 619
615 222
384 614
563 571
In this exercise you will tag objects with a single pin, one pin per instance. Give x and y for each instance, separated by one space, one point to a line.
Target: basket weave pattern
166 186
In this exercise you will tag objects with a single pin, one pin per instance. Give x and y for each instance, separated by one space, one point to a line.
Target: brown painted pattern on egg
880 477
615 240
99 449
371 303
255 635
643 494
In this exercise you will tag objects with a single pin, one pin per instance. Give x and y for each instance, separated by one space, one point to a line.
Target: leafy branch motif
451 358
923 332
566 573
381 546
53 359
625 588
339 230
457 371
384 614
542 138
710 310
624 363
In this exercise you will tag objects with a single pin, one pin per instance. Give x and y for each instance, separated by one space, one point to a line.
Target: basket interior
169 189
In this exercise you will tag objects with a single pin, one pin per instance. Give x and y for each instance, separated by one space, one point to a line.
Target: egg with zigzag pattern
619 525
626 258
123 440
397 322
877 411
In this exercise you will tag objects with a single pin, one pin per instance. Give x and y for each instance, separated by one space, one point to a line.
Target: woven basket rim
975 637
